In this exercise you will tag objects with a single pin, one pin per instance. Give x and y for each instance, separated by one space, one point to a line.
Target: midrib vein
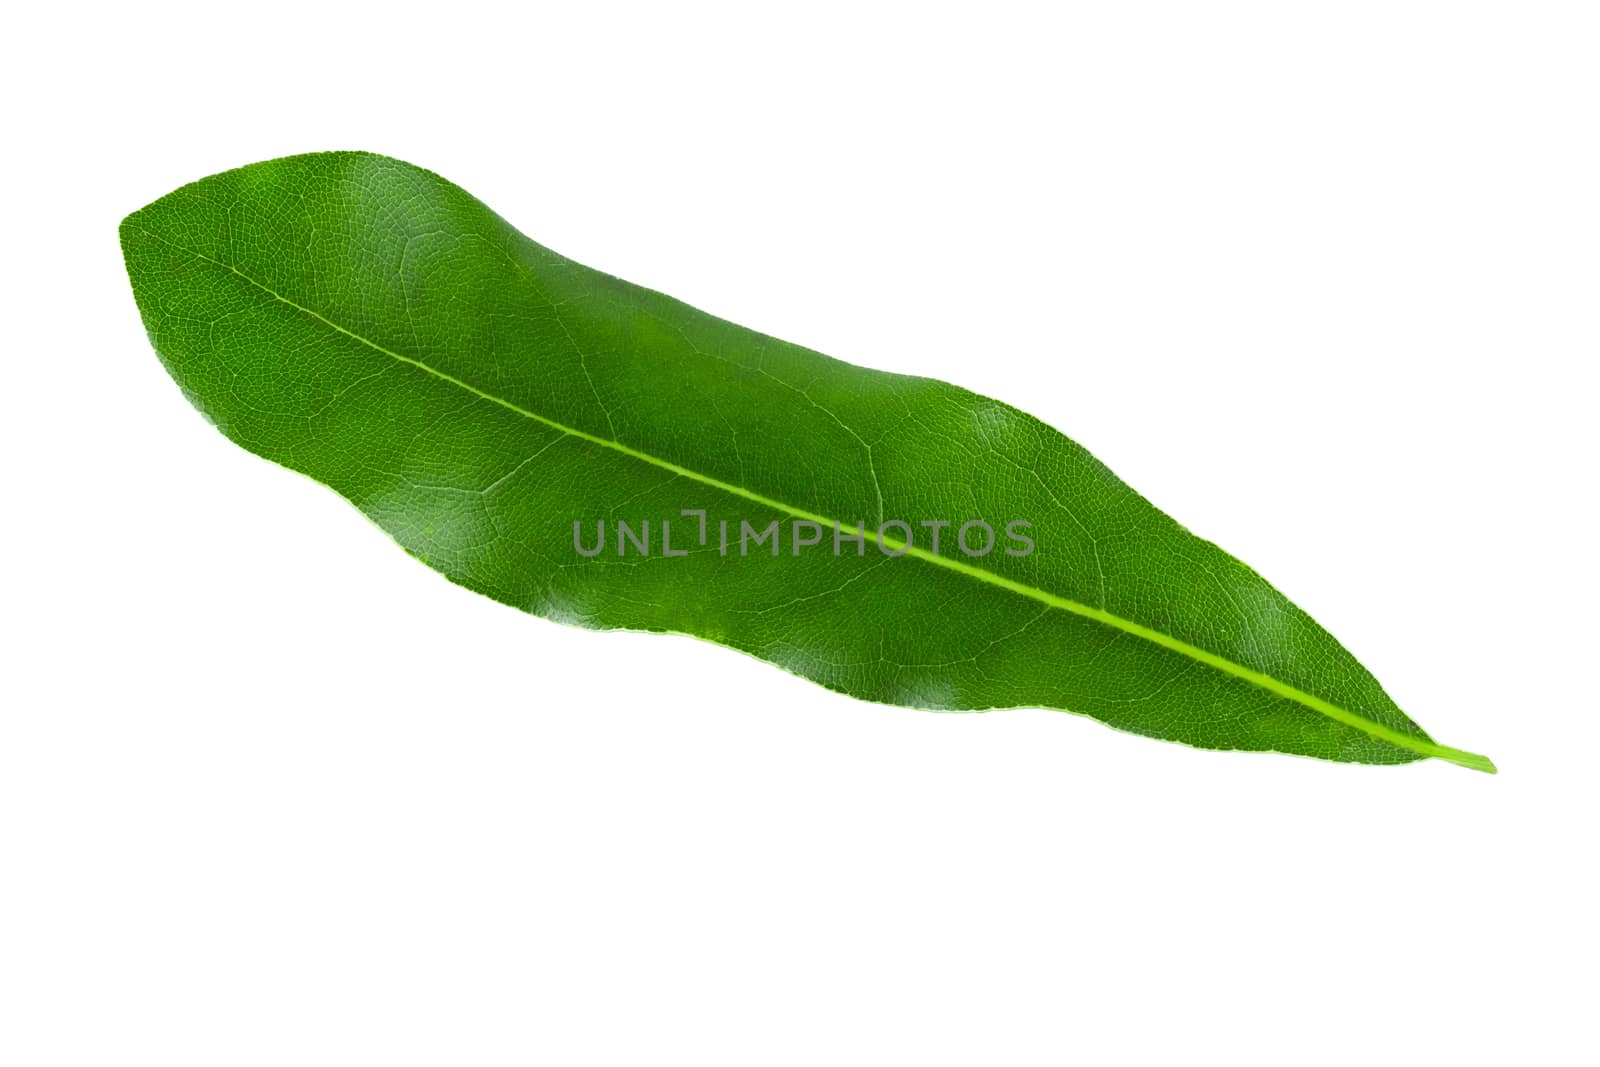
1167 641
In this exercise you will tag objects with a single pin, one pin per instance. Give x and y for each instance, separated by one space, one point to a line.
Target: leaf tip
1470 760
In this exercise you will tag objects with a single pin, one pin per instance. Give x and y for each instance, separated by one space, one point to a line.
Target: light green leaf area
475 394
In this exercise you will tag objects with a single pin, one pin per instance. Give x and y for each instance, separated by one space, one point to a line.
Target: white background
1320 280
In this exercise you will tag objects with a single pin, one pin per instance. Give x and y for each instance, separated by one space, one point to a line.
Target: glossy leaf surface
476 394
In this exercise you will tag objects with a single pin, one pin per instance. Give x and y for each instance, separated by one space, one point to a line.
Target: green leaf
476 395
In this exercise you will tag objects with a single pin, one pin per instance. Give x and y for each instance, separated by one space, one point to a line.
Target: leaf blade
619 364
